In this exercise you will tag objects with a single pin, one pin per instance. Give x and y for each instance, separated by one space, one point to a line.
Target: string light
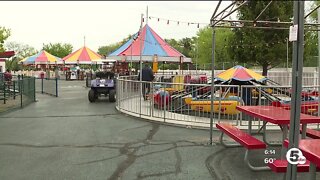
178 21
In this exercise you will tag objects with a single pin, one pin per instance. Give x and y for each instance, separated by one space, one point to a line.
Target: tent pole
140 36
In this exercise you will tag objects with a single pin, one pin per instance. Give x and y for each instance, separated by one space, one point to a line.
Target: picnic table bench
245 140
311 133
280 165
314 134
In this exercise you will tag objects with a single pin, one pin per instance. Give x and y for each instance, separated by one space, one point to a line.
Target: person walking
147 76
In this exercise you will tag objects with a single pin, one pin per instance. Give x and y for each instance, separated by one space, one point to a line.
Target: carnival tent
43 57
83 55
239 73
147 45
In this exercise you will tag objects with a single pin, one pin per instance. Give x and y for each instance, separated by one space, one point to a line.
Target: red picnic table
311 150
278 116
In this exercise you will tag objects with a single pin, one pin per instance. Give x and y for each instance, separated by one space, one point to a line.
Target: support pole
318 63
212 84
297 68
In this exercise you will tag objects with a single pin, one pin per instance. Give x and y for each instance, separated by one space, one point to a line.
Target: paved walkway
69 138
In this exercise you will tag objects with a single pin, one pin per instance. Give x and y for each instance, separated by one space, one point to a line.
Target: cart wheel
91 95
112 95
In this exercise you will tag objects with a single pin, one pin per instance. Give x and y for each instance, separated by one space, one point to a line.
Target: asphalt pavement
67 137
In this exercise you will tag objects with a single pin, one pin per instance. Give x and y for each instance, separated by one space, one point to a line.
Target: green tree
4 34
266 48
222 41
58 49
107 49
185 46
311 39
21 51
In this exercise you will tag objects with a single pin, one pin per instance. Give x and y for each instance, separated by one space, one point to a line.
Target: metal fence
189 104
17 93
47 86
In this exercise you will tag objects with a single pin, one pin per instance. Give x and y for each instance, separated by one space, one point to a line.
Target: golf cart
104 83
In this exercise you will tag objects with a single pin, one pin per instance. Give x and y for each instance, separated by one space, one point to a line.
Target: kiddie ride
104 84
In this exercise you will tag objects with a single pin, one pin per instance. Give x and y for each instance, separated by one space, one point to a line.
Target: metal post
41 85
14 90
287 54
56 87
297 68
21 90
312 171
4 93
164 108
34 89
131 56
152 99
19 83
212 84
318 63
140 37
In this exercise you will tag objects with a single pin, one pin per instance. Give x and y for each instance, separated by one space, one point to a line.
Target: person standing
7 76
147 76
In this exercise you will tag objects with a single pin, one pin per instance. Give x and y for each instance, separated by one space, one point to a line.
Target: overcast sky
102 23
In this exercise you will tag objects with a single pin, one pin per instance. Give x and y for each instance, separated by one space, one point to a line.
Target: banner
155 64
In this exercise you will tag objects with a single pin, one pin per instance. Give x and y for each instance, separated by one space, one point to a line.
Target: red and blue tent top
147 44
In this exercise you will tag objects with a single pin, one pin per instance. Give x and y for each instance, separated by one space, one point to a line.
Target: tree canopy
257 46
107 49
58 49
4 34
21 51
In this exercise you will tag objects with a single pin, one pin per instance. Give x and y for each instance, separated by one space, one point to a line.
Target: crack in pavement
213 170
135 128
179 159
131 155
177 166
139 176
63 145
209 159
99 160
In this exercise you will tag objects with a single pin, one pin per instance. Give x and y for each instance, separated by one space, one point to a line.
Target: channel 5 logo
295 156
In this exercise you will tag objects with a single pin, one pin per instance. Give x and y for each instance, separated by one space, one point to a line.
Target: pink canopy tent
147 45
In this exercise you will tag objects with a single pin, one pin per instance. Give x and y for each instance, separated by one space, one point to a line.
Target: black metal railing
47 86
16 92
